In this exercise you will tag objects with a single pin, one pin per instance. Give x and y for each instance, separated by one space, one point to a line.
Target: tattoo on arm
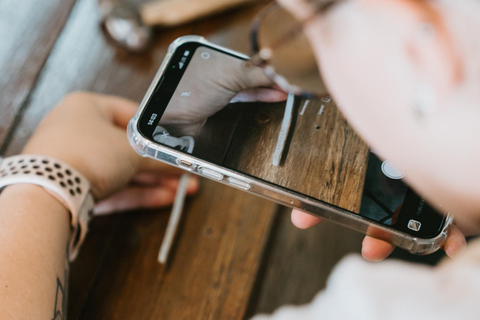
61 295
60 308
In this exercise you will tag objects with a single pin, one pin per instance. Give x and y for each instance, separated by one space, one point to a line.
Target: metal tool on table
174 221
131 27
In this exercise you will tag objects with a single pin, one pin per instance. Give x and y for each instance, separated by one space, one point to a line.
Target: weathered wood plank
84 59
28 31
84 272
213 141
298 263
212 271
228 249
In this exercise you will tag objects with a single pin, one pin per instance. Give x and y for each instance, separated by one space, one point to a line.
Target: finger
120 110
136 198
304 220
192 187
153 178
260 94
376 250
455 243
467 227
253 77
151 165
171 182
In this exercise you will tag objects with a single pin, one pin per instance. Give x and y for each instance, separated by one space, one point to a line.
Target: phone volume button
239 183
209 173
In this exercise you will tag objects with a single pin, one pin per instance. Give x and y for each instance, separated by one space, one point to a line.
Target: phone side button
185 164
209 173
239 183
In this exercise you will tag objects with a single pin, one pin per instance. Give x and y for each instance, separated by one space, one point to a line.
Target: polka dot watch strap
63 182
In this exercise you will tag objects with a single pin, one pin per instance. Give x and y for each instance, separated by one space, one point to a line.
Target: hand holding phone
186 120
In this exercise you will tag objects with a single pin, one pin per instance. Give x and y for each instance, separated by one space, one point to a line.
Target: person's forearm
34 232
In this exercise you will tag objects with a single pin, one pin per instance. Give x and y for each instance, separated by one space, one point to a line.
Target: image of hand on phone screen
202 94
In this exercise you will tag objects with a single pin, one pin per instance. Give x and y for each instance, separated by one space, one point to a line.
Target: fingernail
278 95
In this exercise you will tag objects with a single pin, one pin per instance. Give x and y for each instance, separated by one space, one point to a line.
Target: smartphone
187 119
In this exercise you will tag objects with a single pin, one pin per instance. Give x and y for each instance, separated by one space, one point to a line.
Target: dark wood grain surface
213 141
323 157
298 262
211 273
230 261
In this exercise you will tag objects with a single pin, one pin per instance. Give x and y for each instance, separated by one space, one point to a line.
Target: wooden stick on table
174 221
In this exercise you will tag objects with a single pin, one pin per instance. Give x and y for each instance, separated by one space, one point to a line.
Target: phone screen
192 111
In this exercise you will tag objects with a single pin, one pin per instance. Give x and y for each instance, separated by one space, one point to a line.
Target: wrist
75 162
40 205
63 182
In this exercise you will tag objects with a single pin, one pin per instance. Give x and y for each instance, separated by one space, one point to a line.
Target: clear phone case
147 148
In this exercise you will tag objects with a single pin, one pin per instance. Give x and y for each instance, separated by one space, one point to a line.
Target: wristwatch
62 181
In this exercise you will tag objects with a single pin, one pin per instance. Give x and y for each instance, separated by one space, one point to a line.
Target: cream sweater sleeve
395 290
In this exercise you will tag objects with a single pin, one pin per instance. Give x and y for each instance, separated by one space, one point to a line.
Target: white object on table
305 104
174 221
284 130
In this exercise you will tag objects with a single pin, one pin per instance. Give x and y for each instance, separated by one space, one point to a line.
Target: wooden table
238 255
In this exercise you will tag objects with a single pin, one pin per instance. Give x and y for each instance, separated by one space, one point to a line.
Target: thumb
250 76
119 110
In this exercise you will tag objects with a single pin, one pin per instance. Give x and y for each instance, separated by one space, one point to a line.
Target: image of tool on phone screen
301 153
